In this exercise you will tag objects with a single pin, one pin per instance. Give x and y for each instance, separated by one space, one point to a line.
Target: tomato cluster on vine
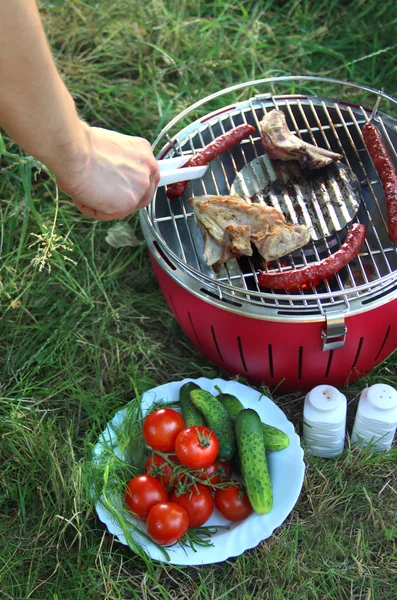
183 480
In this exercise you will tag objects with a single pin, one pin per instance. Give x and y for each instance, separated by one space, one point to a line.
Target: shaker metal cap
382 396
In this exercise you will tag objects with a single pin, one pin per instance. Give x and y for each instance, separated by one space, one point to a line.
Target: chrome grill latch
334 336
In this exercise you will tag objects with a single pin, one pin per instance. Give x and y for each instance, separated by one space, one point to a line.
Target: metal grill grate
326 123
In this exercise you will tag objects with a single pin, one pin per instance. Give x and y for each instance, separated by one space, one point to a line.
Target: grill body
285 354
332 334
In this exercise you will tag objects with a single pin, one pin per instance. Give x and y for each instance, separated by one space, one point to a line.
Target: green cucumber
251 449
232 404
274 438
190 413
218 420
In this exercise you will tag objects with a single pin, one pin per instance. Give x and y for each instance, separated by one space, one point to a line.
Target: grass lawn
84 327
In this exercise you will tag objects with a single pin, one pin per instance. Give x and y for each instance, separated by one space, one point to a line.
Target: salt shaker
376 417
324 421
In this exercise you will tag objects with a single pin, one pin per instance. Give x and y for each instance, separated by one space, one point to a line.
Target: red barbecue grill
333 333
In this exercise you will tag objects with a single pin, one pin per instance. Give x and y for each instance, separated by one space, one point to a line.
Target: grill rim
266 313
266 80
222 289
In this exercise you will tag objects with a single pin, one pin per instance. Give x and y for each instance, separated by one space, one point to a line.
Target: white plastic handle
173 163
175 175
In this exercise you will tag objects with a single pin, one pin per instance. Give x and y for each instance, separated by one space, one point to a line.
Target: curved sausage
387 173
203 157
323 269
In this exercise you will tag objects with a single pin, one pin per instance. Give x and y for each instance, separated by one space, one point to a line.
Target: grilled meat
216 254
280 143
230 225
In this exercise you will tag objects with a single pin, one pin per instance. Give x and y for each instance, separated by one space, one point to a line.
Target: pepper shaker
376 417
324 421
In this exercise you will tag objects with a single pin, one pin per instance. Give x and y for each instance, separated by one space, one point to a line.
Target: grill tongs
170 171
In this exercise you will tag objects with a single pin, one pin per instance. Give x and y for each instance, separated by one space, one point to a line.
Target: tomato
161 469
196 447
161 427
222 470
233 503
198 504
167 522
142 493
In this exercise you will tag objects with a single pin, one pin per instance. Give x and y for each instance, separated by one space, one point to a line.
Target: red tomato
161 427
161 469
196 447
222 469
198 504
167 523
142 493
233 503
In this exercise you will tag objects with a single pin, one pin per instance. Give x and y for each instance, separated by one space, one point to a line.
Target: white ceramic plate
286 468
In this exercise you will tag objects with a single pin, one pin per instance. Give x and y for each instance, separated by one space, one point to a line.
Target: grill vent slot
240 347
270 353
357 353
383 343
378 296
164 256
194 329
173 306
216 343
331 355
300 361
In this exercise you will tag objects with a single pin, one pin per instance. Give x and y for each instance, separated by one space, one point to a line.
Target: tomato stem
204 438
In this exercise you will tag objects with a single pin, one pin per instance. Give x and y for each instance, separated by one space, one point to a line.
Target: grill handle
334 335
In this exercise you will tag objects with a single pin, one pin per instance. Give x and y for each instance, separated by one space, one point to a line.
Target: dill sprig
200 536
121 457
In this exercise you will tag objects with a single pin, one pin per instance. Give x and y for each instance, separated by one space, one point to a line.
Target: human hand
109 175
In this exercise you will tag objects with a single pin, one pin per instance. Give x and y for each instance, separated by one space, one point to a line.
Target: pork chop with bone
279 142
230 225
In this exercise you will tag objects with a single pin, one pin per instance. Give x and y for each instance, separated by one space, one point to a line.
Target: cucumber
274 438
190 413
232 404
251 449
218 420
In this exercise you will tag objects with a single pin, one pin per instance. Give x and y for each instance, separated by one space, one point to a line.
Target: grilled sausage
386 171
203 157
323 269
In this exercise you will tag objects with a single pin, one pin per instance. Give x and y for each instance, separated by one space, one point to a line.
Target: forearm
36 108
108 175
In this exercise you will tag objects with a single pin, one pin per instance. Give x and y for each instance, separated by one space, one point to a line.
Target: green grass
78 342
